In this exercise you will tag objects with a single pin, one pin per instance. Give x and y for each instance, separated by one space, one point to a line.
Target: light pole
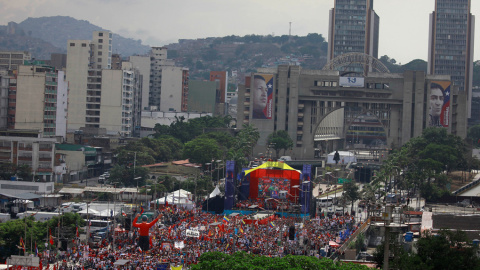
136 195
146 196
114 213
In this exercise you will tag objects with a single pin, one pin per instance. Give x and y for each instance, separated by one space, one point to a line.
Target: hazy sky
403 23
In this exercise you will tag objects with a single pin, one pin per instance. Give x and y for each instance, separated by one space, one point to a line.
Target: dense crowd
227 234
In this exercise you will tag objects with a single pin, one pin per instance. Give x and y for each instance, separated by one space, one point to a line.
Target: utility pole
387 216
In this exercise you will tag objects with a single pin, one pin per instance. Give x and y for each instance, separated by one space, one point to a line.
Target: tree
246 139
36 231
351 193
242 260
280 140
421 162
473 135
202 150
126 175
445 250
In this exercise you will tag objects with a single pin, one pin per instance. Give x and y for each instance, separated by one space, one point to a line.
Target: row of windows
72 44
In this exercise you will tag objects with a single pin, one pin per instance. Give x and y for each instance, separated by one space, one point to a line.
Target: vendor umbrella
333 244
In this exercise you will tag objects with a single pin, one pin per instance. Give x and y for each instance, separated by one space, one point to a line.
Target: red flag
77 232
51 237
166 203
141 210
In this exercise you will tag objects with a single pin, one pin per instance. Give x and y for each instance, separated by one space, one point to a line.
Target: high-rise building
41 100
168 83
450 46
353 27
101 97
142 64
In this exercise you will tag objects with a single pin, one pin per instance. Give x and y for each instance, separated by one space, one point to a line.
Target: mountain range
45 35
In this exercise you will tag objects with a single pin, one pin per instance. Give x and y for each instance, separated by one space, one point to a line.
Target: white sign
192 233
179 244
352 81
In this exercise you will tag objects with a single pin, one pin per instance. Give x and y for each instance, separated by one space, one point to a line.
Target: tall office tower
353 27
85 61
168 83
41 100
450 44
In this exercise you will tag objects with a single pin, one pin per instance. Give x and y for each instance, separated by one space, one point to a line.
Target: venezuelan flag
225 219
271 224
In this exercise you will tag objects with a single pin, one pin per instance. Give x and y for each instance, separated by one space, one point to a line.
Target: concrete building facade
168 83
41 100
323 111
10 60
451 40
34 152
85 61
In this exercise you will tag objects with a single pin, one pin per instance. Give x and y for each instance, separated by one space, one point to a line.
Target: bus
97 225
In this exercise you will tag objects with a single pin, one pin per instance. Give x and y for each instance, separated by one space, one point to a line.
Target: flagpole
25 221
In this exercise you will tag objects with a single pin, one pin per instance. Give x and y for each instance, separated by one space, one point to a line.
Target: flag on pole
51 237
225 219
22 244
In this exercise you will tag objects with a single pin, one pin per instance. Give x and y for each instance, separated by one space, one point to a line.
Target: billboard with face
439 104
261 90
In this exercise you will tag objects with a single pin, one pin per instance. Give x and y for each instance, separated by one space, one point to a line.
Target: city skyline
403 33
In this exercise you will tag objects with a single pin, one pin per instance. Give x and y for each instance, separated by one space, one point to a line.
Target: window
99 60
100 40
84 44
99 53
100 34
72 44
100 47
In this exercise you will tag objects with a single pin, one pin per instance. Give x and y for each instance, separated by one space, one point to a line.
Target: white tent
345 157
174 199
214 193
90 211
180 193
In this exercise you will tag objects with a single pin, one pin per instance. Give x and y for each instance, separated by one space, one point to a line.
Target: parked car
365 256
101 179
107 175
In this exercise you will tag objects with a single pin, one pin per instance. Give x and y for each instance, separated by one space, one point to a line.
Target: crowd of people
170 245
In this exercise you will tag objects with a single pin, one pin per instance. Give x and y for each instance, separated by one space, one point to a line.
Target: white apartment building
41 100
168 83
99 96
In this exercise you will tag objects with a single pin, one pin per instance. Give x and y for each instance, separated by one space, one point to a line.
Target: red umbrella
333 244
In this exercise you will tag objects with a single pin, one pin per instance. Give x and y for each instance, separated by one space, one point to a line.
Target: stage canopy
272 164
